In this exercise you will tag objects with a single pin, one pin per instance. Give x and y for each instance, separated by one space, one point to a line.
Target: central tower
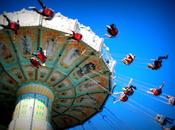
33 108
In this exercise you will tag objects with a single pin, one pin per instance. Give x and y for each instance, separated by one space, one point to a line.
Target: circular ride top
69 88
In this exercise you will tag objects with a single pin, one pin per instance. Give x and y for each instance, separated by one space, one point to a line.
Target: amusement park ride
55 67
58 70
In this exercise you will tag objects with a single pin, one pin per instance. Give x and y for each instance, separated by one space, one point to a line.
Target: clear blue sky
147 29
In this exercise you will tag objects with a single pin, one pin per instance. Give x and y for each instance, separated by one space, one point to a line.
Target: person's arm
163 84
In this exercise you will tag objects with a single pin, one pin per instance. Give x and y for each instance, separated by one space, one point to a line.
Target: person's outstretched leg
170 120
163 57
36 10
8 20
3 26
151 66
42 4
109 36
162 85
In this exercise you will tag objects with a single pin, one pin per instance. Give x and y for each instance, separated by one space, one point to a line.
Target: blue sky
146 29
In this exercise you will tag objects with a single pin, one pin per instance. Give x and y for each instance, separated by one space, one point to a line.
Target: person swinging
47 12
12 25
112 31
157 64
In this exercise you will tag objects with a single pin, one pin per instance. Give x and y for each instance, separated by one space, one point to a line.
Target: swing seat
128 59
113 32
172 101
14 26
48 12
124 61
156 92
157 66
129 92
127 62
78 36
34 61
41 56
123 98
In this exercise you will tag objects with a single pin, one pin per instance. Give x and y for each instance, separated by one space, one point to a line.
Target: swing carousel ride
69 88
60 73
